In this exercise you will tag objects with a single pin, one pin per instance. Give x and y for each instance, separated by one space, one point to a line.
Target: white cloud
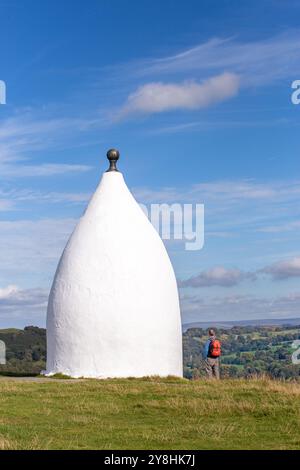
8 291
22 307
284 269
217 276
159 97
221 276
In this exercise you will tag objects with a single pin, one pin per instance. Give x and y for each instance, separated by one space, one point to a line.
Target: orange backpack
215 348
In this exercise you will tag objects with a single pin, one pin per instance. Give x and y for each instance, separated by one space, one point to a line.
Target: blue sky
197 97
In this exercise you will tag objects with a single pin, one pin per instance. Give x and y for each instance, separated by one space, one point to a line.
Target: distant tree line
246 351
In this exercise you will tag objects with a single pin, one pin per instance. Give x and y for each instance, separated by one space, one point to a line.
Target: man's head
211 332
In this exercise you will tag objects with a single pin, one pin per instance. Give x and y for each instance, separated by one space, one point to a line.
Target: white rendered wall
113 308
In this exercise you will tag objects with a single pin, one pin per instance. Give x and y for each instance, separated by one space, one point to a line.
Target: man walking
212 353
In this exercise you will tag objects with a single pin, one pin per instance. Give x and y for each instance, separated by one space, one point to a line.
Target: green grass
11 331
59 376
150 413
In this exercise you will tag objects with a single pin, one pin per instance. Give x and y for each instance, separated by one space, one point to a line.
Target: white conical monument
113 308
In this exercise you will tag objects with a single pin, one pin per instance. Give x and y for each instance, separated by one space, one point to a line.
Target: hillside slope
149 414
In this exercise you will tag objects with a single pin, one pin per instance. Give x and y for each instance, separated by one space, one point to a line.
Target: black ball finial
113 156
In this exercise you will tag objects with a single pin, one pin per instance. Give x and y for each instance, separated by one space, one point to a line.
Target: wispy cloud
34 246
49 196
232 191
44 169
213 124
12 199
204 74
239 307
236 204
6 205
31 248
157 97
24 138
259 62
282 227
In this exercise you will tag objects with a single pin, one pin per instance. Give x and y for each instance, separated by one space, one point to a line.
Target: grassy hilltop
149 413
